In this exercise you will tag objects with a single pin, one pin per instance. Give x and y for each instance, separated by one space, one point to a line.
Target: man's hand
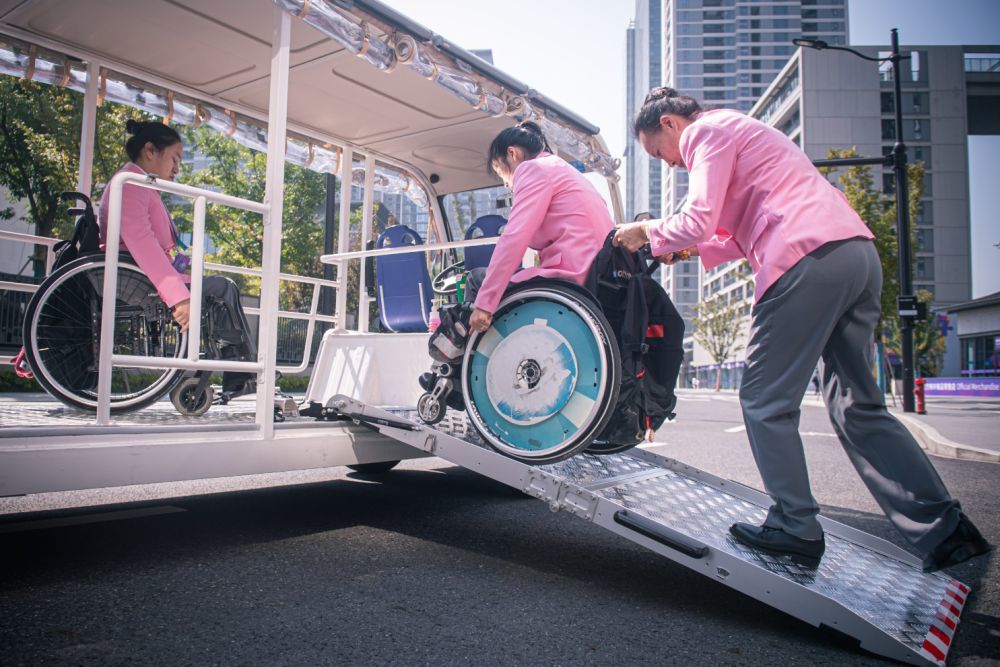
632 236
182 314
480 320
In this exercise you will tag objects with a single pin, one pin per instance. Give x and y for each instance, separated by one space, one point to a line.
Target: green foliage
879 212
40 147
717 327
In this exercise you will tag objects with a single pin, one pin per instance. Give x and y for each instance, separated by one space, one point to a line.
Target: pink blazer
147 234
752 194
557 212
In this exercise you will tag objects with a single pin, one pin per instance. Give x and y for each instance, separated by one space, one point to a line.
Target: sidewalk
961 428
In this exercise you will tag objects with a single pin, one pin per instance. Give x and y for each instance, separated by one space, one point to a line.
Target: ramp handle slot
661 534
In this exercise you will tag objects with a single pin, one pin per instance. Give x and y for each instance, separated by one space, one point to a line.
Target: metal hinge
559 495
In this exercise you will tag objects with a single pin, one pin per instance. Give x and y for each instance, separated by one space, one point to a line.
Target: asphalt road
429 564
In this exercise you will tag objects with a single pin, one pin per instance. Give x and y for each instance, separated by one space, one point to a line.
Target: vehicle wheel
430 409
374 468
189 401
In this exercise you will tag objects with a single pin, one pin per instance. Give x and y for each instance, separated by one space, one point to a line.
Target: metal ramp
865 587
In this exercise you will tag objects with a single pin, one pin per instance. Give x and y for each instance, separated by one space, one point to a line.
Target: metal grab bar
107 358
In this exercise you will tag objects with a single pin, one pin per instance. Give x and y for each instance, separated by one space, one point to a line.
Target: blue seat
404 285
487 225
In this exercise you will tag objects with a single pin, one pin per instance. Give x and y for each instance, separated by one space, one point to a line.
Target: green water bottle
460 288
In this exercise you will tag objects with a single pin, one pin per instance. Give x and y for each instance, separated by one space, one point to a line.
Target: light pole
907 305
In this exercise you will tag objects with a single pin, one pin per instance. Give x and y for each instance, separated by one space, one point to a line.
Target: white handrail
107 359
36 240
402 250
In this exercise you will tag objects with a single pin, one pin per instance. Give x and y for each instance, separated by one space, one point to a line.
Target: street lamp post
907 305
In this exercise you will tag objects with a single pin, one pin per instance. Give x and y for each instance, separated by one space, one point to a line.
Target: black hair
158 134
526 134
663 101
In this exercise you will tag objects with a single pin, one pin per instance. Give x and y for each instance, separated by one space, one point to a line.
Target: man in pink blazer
754 195
556 211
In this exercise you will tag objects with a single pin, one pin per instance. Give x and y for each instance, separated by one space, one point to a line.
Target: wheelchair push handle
73 197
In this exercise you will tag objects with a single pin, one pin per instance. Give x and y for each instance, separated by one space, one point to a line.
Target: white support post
344 236
367 213
277 121
88 128
197 267
108 309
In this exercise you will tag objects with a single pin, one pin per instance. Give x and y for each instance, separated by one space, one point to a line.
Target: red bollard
918 392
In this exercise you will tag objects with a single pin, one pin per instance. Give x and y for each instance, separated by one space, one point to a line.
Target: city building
644 67
832 99
978 327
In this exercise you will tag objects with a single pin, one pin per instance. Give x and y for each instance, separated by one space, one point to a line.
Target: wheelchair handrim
82 398
536 429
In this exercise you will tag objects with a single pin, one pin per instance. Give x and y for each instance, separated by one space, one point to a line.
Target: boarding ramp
864 588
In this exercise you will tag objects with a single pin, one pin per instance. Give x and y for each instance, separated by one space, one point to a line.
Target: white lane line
736 429
825 435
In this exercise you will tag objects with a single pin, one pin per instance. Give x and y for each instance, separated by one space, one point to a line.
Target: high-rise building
644 65
725 53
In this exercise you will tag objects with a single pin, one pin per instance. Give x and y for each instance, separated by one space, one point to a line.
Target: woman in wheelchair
149 235
539 367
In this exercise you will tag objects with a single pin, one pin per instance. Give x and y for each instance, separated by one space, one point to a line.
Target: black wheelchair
61 335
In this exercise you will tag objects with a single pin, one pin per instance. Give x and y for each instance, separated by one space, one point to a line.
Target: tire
374 468
430 410
61 335
543 381
185 400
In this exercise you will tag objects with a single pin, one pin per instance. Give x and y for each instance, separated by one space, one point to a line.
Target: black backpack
86 236
650 335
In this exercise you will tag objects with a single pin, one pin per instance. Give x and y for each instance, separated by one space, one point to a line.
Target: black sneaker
777 541
964 543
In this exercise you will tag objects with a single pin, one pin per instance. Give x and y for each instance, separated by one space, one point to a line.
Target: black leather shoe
427 380
964 543
777 541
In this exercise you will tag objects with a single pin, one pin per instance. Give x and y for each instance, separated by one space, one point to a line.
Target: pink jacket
752 194
557 212
147 233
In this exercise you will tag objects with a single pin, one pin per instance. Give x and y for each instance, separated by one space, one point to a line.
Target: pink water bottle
435 320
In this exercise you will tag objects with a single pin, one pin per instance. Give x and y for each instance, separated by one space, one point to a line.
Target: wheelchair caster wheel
430 409
189 401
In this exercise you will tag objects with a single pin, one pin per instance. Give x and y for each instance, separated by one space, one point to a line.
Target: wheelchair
542 383
62 332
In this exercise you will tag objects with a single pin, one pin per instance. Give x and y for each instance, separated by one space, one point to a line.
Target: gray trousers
826 307
239 346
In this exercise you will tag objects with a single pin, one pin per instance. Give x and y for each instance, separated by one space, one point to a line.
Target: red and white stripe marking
942 630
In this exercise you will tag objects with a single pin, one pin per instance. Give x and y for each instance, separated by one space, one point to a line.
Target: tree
40 148
717 328
238 235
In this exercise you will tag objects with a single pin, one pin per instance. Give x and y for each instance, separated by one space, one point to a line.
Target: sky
573 51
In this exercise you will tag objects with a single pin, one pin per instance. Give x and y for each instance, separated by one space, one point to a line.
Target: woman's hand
480 320
182 313
632 236
679 256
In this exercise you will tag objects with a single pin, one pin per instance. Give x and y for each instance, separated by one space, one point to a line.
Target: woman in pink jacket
149 235
754 195
556 211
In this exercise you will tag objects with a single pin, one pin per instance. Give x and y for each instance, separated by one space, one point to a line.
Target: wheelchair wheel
62 336
543 381
190 402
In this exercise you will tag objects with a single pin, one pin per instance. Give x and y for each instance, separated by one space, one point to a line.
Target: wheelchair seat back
404 285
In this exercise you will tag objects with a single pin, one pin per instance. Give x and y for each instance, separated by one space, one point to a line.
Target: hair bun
530 126
660 92
132 126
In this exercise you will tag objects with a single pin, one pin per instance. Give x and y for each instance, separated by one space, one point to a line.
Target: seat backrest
486 225
404 285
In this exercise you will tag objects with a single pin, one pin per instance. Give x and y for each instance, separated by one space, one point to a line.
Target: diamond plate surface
48 413
896 598
586 469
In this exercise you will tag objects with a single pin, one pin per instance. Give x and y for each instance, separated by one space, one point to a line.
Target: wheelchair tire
61 336
543 381
188 401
